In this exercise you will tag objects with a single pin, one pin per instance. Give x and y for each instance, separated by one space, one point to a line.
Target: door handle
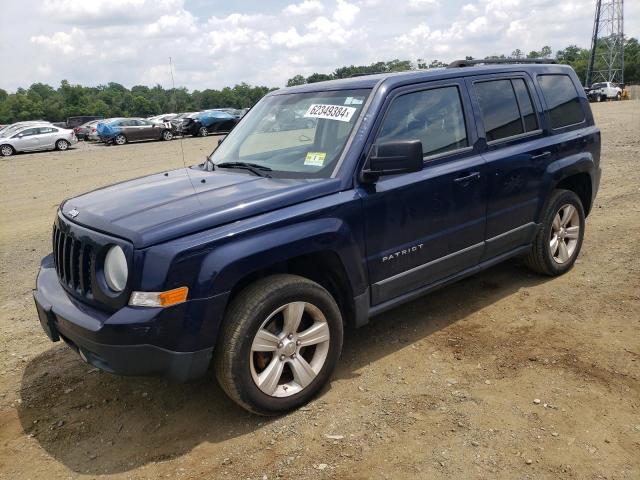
540 156
468 177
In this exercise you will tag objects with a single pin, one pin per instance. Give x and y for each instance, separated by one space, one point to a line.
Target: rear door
46 137
425 226
517 152
148 130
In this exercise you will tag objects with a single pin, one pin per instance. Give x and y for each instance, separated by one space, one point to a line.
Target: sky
214 43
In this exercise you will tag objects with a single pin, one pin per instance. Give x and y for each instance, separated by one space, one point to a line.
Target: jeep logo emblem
73 213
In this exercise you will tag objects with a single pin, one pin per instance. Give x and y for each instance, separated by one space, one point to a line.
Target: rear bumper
123 342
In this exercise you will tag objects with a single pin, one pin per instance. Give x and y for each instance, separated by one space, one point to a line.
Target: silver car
36 137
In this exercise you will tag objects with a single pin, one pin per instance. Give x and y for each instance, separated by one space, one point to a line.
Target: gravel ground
504 375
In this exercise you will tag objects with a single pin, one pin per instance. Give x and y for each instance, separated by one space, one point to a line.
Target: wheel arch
581 185
323 267
576 173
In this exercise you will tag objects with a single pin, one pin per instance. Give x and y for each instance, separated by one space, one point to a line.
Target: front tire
62 145
120 139
203 132
281 340
559 239
167 135
7 150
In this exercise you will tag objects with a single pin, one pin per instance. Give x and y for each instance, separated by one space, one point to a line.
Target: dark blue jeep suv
255 260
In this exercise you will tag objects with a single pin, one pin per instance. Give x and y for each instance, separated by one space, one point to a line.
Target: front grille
74 261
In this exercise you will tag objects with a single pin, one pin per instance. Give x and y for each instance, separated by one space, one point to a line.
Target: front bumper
132 340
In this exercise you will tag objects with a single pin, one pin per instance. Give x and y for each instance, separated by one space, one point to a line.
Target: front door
26 140
423 227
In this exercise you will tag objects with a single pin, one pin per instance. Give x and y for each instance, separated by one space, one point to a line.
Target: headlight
115 269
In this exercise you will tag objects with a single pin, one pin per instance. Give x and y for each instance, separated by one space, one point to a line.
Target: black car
207 122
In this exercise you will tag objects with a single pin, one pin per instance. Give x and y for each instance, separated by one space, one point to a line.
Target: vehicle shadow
96 423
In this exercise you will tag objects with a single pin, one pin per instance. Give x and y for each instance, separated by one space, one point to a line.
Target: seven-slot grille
73 260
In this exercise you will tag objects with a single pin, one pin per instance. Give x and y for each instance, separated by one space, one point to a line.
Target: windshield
294 135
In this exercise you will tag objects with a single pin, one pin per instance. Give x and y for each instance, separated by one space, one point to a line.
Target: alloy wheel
565 233
121 140
6 151
62 145
203 132
289 349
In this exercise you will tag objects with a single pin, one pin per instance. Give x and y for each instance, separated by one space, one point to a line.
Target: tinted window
435 117
500 112
48 130
524 102
562 100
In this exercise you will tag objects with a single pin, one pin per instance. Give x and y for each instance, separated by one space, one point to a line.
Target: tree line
41 101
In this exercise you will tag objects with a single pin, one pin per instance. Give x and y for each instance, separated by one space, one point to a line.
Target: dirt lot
503 375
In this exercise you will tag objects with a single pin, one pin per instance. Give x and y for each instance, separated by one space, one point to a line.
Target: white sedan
32 138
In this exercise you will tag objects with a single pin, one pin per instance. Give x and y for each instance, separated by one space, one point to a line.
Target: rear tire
7 150
280 341
62 145
120 139
559 239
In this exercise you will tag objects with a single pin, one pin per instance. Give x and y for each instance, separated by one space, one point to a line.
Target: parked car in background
122 130
207 122
82 132
165 117
40 137
601 92
14 126
73 122
235 112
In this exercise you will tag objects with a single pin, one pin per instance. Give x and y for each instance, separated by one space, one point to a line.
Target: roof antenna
184 162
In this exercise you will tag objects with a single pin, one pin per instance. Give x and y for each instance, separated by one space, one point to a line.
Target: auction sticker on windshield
330 112
315 158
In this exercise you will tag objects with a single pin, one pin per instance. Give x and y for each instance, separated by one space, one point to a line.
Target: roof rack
469 63
364 74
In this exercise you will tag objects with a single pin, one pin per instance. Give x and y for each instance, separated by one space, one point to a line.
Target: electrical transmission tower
606 63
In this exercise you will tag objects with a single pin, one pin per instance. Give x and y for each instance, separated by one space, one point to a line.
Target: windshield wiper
254 168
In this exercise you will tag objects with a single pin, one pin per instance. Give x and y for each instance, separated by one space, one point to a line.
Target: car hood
160 207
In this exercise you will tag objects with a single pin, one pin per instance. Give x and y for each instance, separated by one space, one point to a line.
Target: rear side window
506 108
435 117
526 107
562 100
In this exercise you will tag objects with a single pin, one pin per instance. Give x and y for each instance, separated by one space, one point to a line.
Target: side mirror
393 158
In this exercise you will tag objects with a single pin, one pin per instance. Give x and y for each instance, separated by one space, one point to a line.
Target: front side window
562 100
434 116
294 135
26 133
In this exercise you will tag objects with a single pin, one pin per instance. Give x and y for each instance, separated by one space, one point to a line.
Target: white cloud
61 42
127 41
423 5
345 12
108 12
308 7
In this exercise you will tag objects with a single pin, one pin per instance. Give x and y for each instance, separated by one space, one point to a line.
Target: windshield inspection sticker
330 112
315 159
